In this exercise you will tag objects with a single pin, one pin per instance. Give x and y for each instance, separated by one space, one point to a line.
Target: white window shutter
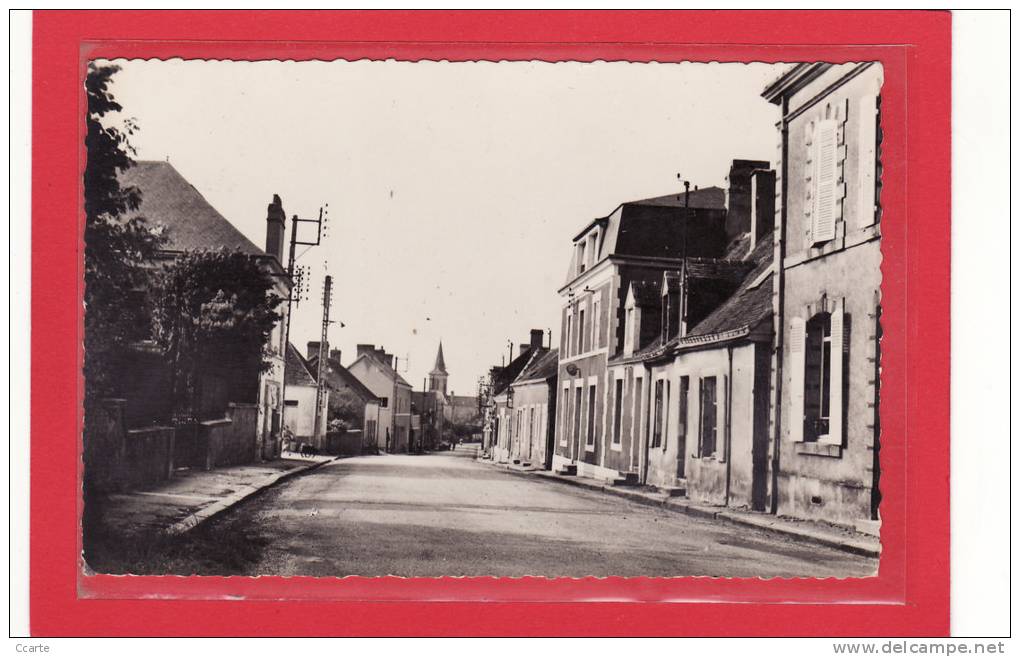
836 347
797 353
867 145
722 418
823 220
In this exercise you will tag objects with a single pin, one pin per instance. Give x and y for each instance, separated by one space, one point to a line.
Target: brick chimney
334 354
538 337
313 349
276 228
738 196
366 349
763 204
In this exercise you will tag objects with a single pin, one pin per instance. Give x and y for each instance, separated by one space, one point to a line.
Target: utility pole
320 379
321 225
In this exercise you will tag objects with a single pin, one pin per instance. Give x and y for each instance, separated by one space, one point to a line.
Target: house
688 394
534 410
388 418
348 397
189 223
301 395
636 242
502 427
828 302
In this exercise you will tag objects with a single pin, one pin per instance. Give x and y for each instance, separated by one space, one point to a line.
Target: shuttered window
823 215
707 416
838 350
867 160
796 419
617 411
657 417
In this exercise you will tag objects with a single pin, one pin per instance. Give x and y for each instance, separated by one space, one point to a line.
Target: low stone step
567 470
674 491
626 479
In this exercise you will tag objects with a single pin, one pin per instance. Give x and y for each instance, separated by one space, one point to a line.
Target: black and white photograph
470 319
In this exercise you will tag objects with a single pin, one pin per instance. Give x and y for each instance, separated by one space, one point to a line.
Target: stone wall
116 458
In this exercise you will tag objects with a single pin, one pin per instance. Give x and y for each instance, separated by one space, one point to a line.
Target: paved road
445 514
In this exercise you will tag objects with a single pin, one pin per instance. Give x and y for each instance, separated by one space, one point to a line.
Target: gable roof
190 222
338 377
543 366
750 303
510 373
388 371
298 371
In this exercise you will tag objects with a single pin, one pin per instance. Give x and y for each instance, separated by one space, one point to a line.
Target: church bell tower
438 375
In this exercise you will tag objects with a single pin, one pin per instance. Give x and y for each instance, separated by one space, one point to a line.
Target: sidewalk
814 532
194 496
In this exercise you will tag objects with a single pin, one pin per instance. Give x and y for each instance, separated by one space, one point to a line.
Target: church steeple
438 375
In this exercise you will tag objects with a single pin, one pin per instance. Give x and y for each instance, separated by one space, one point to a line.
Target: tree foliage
118 246
213 315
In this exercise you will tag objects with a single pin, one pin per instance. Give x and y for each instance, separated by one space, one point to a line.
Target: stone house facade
388 418
534 410
827 302
190 223
635 243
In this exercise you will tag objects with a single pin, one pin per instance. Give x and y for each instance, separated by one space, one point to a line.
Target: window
868 164
580 331
596 321
590 440
531 427
707 417
384 402
617 410
681 445
665 418
592 248
824 181
567 341
564 415
581 264
819 356
577 414
638 384
657 417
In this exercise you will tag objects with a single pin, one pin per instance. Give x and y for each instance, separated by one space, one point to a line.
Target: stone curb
767 523
205 513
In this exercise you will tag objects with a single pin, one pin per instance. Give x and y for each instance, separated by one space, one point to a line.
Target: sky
453 189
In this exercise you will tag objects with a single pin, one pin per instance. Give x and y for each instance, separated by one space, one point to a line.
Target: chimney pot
276 228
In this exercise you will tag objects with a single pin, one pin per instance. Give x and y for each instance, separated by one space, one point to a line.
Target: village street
446 514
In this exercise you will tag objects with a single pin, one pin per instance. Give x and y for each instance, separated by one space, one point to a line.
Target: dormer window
581 264
593 248
632 324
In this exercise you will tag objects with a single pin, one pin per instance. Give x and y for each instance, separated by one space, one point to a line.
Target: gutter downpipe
778 310
729 421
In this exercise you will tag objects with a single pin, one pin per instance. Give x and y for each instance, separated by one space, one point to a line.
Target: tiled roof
386 369
750 303
337 377
298 371
705 197
190 221
510 373
543 366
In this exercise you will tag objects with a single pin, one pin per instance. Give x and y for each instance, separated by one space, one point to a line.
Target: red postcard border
910 596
